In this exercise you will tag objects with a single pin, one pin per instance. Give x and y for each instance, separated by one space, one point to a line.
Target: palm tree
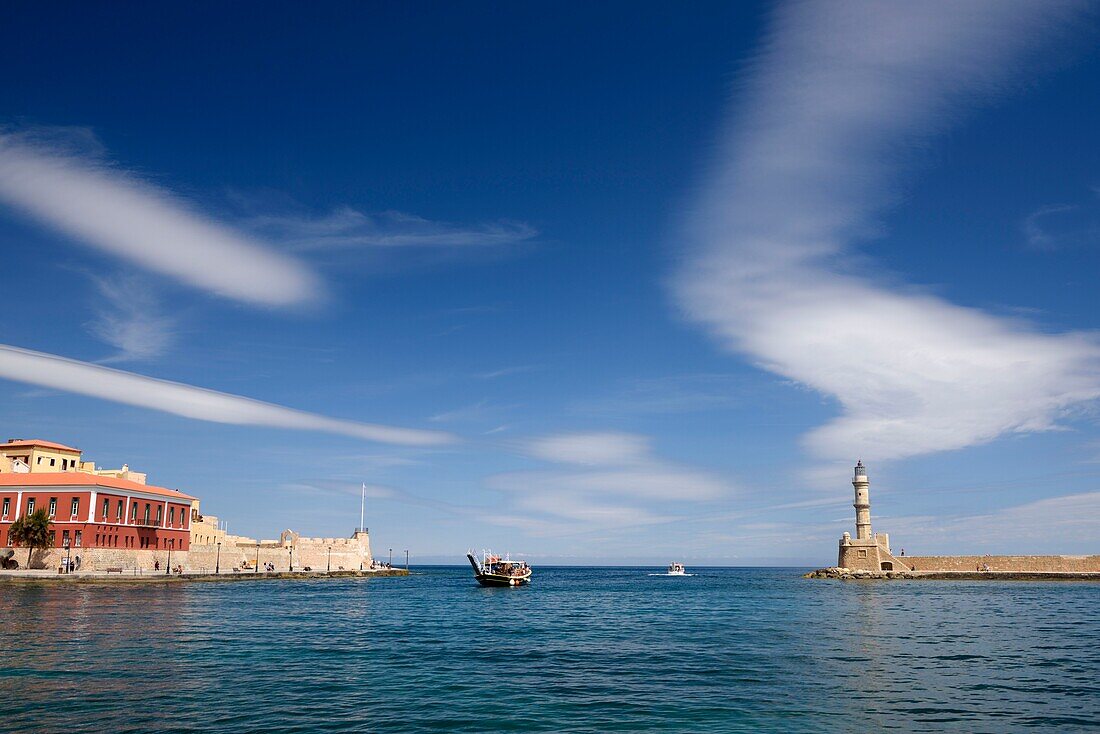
31 530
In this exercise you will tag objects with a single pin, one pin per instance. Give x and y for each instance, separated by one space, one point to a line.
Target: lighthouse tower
863 502
867 551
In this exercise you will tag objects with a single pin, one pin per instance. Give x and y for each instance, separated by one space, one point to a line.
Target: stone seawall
1005 564
319 554
100 559
849 574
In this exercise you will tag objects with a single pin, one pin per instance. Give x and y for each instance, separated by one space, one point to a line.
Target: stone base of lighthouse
869 554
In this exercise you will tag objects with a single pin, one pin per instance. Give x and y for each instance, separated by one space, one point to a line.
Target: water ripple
602 650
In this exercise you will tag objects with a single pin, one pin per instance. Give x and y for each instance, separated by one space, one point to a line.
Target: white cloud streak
590 448
610 480
59 373
838 94
347 228
120 214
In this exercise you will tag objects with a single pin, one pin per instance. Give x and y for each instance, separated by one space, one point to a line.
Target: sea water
579 650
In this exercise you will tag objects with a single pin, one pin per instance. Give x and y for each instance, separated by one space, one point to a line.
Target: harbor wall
1013 564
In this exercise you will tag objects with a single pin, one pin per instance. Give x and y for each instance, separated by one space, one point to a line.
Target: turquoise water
581 650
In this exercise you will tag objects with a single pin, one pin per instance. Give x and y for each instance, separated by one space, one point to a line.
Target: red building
93 511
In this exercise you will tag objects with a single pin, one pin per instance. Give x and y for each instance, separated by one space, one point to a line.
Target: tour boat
492 570
677 569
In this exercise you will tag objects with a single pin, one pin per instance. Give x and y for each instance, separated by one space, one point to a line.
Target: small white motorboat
676 569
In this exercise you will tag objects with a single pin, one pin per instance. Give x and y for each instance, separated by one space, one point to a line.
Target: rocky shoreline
849 574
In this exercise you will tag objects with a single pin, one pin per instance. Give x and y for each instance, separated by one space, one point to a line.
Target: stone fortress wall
347 554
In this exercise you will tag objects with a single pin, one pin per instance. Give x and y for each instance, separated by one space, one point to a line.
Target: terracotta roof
72 478
17 443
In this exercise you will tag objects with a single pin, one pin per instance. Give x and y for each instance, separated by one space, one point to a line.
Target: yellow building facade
41 456
33 455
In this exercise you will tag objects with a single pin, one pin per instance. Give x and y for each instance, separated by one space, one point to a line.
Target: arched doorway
887 566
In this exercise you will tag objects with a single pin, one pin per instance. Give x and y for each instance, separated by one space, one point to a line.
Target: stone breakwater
850 574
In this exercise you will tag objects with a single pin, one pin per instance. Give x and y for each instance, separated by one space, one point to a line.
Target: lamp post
390 562
328 569
218 561
406 560
68 557
168 566
290 550
257 568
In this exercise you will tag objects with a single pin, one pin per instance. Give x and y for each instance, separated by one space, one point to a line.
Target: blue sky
621 283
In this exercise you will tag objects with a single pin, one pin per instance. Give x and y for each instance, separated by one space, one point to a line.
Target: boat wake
672 575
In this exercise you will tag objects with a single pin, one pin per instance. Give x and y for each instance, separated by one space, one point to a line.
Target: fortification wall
100 559
349 554
346 554
1015 564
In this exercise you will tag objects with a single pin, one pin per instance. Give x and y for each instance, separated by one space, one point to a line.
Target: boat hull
492 579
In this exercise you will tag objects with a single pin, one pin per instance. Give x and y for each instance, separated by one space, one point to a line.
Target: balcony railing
145 523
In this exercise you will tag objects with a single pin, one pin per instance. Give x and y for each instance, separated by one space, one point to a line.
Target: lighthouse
863 502
867 551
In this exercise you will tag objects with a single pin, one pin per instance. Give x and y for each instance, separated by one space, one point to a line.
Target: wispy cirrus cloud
326 486
130 319
1038 238
1062 226
604 480
506 371
73 190
828 109
67 375
346 228
478 412
689 393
